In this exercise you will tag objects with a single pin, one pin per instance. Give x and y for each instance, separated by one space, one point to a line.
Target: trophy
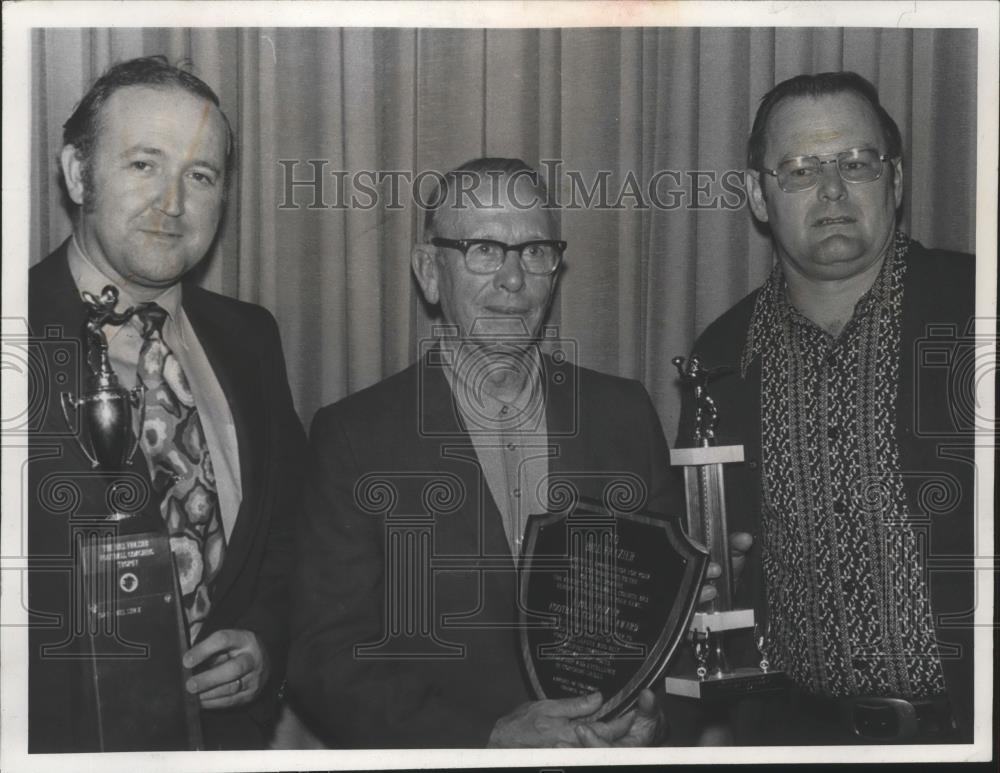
107 407
129 611
706 521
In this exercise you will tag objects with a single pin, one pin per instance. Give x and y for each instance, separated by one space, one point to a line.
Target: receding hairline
102 111
784 102
529 177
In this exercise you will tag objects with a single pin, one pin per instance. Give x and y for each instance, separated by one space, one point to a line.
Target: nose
831 185
171 201
510 276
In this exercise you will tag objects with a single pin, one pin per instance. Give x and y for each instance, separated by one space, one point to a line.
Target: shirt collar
772 301
89 278
483 410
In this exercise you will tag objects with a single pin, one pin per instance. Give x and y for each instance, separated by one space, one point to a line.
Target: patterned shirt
845 573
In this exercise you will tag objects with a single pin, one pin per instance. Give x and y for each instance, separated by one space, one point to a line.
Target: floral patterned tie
173 441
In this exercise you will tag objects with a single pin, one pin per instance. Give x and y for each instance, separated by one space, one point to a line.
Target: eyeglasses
486 256
802 173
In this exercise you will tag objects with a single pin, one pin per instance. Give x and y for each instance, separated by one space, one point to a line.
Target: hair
483 168
819 85
83 127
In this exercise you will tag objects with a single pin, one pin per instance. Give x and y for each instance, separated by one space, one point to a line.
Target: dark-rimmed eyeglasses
486 256
803 173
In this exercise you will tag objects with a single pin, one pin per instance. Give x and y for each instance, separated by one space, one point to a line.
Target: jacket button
752 464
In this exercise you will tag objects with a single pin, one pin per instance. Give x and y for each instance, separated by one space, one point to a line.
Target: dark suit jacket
242 343
934 433
399 449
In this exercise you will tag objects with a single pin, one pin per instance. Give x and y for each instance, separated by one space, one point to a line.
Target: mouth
507 311
157 234
829 221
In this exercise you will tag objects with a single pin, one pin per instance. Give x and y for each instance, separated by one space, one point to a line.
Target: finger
647 704
223 691
217 659
614 729
713 571
650 722
708 593
246 682
229 671
224 703
739 543
578 706
219 641
590 739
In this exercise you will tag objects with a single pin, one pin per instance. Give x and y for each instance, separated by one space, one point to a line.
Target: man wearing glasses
833 399
417 647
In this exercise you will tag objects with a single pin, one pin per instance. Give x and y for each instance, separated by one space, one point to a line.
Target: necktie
173 441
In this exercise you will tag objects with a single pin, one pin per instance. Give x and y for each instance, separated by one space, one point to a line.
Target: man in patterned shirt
831 396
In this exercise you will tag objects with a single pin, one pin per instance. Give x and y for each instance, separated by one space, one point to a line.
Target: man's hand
235 668
739 543
543 723
645 725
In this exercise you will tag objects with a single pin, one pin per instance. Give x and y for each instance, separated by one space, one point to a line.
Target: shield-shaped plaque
606 598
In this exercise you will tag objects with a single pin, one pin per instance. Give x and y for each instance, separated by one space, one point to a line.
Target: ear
423 259
72 169
897 181
755 194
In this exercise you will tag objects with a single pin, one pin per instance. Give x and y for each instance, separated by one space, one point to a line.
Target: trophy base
717 622
135 637
732 684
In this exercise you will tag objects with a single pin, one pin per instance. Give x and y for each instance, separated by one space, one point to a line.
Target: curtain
673 105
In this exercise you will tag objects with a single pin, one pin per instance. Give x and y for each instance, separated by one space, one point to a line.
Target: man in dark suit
147 161
405 602
850 380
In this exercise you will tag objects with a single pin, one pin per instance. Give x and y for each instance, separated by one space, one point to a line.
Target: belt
877 719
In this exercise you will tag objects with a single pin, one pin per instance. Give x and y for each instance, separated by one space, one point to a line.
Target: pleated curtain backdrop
639 284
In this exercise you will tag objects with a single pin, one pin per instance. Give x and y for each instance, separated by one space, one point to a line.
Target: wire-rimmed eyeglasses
803 173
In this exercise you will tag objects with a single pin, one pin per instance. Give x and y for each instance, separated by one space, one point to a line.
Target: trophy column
715 676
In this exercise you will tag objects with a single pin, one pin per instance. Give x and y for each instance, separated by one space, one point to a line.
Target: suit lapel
563 416
54 299
563 413
57 315
448 447
56 311
235 364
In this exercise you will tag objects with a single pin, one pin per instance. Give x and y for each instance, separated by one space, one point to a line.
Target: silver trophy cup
108 438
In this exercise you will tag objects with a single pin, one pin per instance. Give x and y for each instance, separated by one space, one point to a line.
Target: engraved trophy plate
135 642
706 523
135 632
606 599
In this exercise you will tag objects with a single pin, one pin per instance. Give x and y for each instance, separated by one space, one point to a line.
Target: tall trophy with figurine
128 609
711 629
